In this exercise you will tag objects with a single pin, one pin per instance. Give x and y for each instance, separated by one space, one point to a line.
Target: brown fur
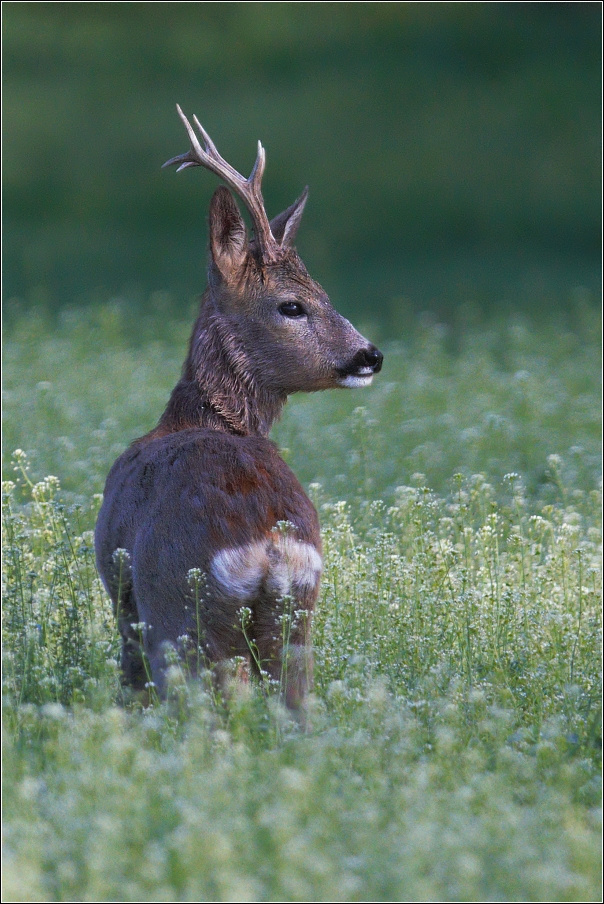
206 488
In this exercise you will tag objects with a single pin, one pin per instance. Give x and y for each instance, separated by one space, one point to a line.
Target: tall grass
453 745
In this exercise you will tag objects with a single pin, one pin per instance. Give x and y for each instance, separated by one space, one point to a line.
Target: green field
453 154
453 750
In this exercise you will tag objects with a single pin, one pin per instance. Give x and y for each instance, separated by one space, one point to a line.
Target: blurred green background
452 149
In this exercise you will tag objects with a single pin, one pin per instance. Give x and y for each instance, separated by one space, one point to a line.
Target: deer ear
285 226
228 236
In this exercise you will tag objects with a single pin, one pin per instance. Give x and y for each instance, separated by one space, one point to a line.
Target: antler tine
258 170
195 145
210 146
193 157
249 190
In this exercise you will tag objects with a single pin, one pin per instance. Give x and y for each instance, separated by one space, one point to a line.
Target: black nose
372 357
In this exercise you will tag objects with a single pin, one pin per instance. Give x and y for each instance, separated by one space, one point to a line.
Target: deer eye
291 309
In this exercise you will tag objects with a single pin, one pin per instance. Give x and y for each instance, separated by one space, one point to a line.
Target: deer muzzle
360 370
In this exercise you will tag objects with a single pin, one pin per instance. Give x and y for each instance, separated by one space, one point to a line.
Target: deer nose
372 357
366 363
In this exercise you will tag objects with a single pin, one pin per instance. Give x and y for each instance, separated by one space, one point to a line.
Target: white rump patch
240 570
279 564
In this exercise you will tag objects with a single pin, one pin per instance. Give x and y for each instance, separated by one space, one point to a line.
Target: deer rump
200 499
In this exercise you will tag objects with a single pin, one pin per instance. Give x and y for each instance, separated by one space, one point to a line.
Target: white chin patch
357 380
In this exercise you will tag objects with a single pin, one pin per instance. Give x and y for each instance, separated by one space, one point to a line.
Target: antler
249 190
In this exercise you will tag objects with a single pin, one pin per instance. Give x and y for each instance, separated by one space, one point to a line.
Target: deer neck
218 389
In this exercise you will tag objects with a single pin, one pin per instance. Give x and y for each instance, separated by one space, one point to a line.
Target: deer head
274 324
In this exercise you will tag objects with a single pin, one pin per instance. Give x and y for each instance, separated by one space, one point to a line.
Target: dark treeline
452 149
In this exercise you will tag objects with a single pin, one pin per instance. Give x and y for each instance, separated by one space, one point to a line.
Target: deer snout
372 357
360 370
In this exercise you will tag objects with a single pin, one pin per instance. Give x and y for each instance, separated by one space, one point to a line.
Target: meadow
454 739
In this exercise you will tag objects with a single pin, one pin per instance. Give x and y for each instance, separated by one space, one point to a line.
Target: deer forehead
279 564
291 277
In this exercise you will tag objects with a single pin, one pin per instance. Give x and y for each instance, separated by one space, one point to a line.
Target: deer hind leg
116 573
144 647
132 662
282 639
278 580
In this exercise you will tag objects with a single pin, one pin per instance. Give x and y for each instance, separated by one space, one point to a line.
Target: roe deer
206 489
